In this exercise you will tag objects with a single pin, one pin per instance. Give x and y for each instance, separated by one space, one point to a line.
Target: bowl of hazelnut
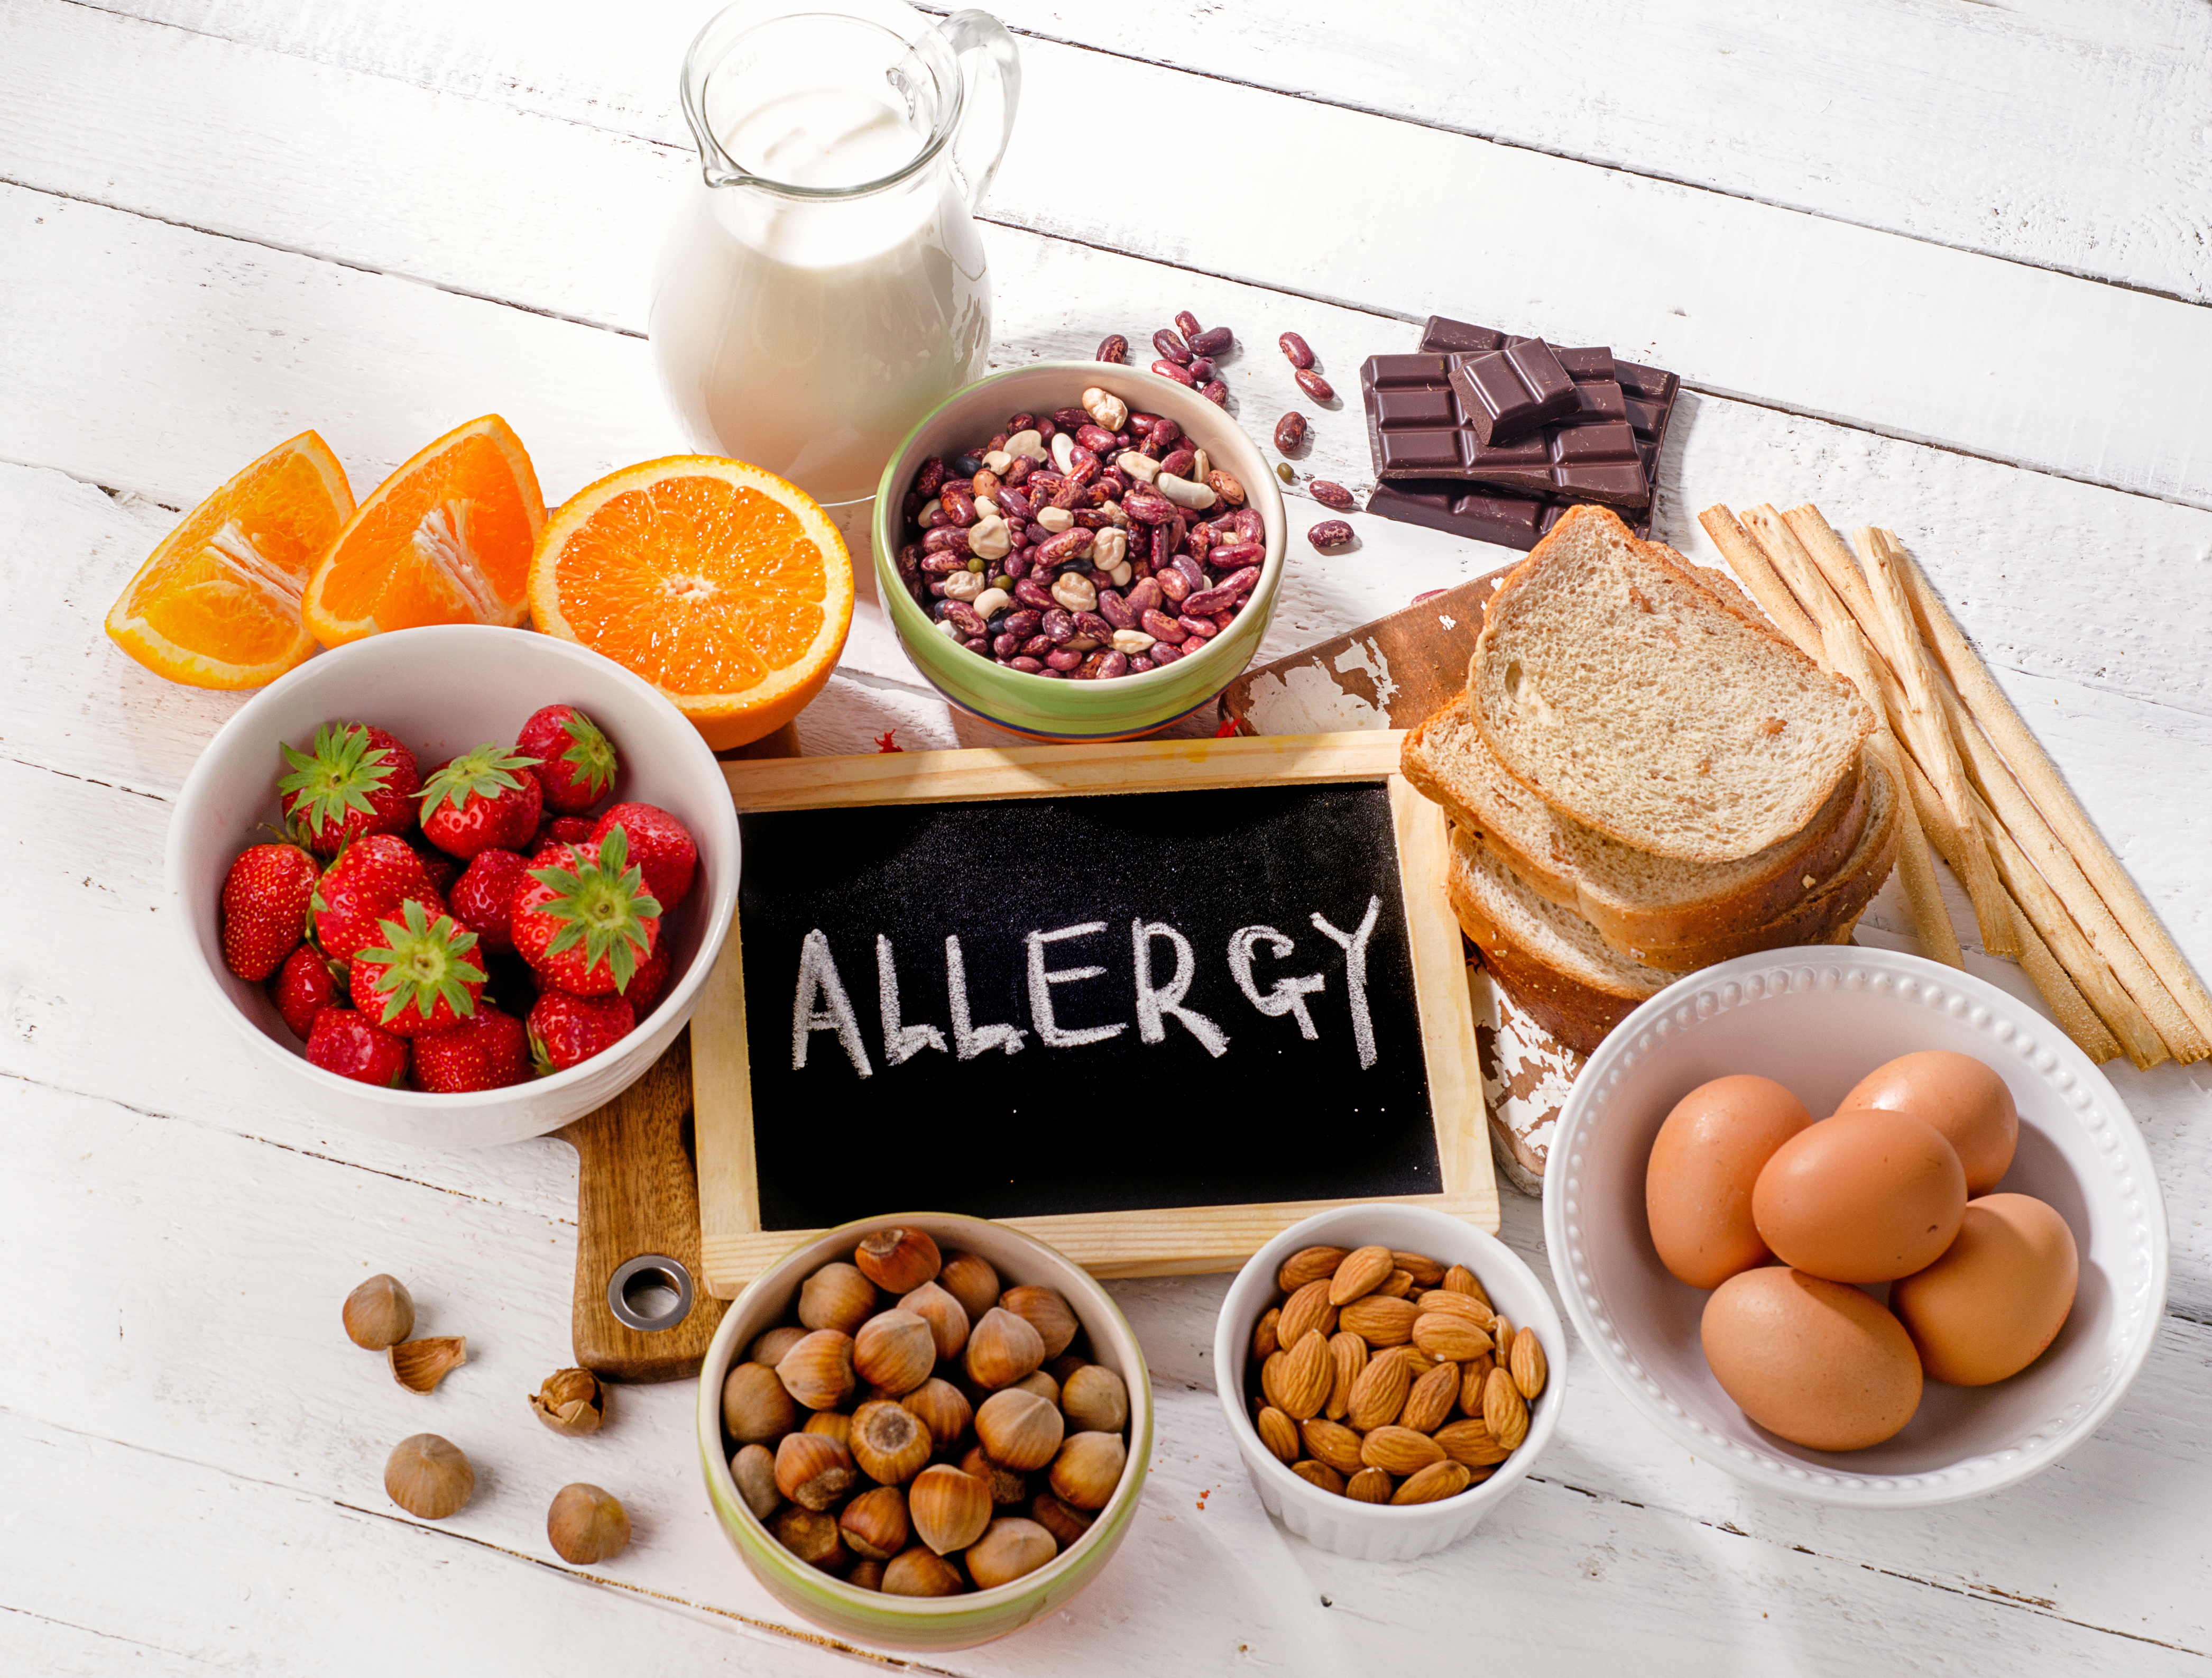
923 1432
1387 1373
1078 550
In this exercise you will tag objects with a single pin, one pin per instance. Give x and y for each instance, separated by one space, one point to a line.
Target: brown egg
1988 1306
1697 1188
1863 1197
1965 1100
1820 1364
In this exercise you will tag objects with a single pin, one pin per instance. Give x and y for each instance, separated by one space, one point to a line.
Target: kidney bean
1179 463
1161 627
1038 644
1201 628
1163 652
1025 663
1069 419
1030 592
1171 347
1332 494
1200 542
1247 525
1315 385
1148 507
1006 643
1111 665
987 484
1116 610
962 616
1236 555
1187 324
1023 622
977 644
1058 625
912 505
1014 504
1070 495
1145 596
1045 429
1330 533
1018 473
1204 603
1096 439
1289 431
1294 347
1068 544
1202 369
1211 342
1018 423
1172 583
926 481
1014 565
1166 432
1217 393
1082 467
1139 665
1170 370
1092 625
1063 659
1094 518
1230 491
959 505
1190 571
1112 348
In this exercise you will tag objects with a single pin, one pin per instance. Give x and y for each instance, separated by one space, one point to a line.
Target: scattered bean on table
1330 533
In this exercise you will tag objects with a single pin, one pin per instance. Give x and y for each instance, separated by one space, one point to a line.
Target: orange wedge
725 587
217 604
445 539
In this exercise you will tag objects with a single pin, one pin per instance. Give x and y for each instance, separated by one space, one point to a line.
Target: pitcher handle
970 32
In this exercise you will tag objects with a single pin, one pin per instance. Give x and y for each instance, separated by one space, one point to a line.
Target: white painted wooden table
1940 265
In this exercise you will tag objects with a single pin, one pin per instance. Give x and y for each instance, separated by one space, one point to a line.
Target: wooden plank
1447 1013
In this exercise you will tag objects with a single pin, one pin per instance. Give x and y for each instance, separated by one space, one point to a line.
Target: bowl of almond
1386 1374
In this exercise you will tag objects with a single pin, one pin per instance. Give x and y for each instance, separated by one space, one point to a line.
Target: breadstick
2068 1005
2040 779
1922 727
1835 562
1923 896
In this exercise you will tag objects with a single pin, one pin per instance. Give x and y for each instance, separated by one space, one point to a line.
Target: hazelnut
813 1470
770 1347
1064 1521
1088 1468
867 1575
1045 1312
380 1313
817 1371
1095 1400
1019 1429
419 1364
948 1510
572 1400
942 1408
754 1469
921 1572
585 1525
1009 1547
889 1442
814 1538
894 1351
757 1407
1007 1486
969 1278
1063 1365
1040 1382
874 1524
898 1260
831 1424
1002 1348
947 1316
836 1297
427 1476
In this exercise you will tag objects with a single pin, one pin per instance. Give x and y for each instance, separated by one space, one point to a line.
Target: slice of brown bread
1634 899
1612 680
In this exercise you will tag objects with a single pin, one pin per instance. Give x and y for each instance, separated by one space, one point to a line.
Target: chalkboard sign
1154 1009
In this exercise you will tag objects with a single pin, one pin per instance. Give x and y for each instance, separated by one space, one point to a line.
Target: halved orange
445 539
725 587
217 604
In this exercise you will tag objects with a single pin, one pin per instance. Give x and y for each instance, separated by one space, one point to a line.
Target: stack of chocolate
1492 437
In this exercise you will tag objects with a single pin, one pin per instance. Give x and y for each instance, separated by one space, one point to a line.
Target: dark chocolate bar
1420 412
1479 515
1649 391
1512 392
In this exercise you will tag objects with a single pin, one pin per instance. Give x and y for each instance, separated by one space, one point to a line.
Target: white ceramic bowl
1384 1532
442 690
935 1623
1817 1019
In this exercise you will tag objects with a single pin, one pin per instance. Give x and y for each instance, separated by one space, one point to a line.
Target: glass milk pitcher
823 286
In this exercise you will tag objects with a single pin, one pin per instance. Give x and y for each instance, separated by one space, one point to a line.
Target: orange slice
217 604
445 539
725 587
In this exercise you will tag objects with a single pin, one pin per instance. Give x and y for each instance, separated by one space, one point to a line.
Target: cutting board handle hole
650 1293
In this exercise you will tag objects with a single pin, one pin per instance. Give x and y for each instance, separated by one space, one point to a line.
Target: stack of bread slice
1644 779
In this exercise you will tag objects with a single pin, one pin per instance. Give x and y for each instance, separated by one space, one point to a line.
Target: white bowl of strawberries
456 885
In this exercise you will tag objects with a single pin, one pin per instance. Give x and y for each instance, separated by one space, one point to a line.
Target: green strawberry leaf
334 776
602 904
486 772
591 755
423 961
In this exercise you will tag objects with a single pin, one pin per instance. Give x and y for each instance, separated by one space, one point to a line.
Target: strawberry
487 1051
649 981
482 798
575 761
565 1029
443 869
366 886
483 899
421 979
586 923
344 1042
661 846
308 982
264 908
567 830
354 780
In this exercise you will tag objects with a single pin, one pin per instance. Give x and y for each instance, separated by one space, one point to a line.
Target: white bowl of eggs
1860 1228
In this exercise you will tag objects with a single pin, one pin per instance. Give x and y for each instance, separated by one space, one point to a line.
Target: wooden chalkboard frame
1158 1241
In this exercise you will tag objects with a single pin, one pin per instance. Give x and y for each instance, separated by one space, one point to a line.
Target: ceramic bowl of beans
1078 550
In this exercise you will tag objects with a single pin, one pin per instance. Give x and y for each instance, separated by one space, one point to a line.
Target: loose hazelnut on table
587 1524
427 1476
379 1314
571 1402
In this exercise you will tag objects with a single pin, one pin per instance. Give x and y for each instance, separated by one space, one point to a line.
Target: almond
1349 1353
1457 1304
1504 1411
1461 1279
1399 1451
1470 1443
1306 1310
1379 1392
1321 1475
1378 1320
1368 1485
1430 1400
1527 1363
1400 1285
1278 1434
1271 1376
1264 1344
1438 1480
1310 1264
1332 1442
1425 1270
1364 1270
1472 1377
1417 1362
1454 1339
1306 1376
1501 1332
